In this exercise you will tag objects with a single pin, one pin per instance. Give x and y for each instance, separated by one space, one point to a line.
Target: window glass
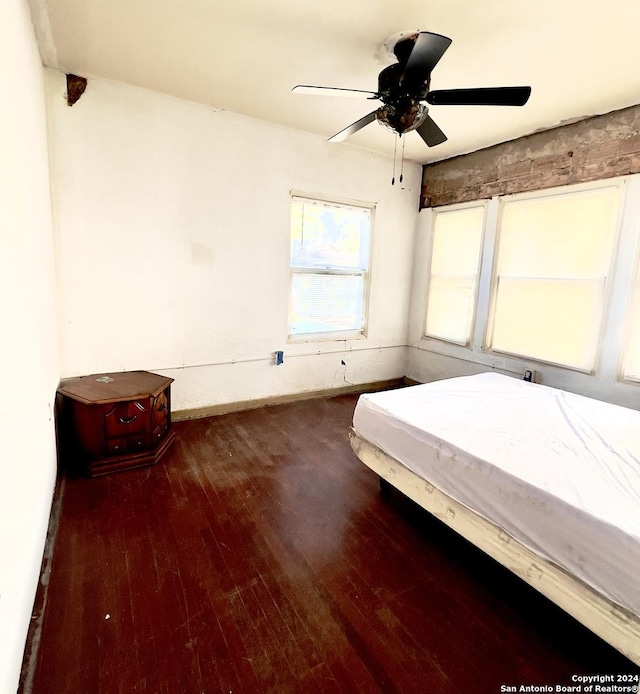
329 263
453 279
553 260
631 366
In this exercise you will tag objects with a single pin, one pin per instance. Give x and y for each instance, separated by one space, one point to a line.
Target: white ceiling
579 56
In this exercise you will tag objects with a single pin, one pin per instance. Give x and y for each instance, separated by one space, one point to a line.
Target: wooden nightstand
113 422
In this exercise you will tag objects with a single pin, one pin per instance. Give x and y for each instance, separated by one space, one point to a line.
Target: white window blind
329 260
554 255
631 365
453 279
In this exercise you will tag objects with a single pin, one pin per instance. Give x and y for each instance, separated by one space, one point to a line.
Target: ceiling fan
404 91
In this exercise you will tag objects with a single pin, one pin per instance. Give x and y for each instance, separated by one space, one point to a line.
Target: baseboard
226 408
30 656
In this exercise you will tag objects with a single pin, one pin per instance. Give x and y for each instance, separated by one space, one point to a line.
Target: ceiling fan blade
481 96
426 53
431 133
353 128
331 91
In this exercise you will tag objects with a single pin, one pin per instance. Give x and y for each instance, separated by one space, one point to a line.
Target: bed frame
616 625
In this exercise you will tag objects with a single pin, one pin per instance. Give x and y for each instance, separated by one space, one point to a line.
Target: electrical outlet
529 375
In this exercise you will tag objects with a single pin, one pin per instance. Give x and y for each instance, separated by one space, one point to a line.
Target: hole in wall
75 88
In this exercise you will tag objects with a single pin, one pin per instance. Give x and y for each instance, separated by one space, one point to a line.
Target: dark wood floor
259 556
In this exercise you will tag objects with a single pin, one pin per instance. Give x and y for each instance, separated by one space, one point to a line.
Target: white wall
28 348
172 227
429 359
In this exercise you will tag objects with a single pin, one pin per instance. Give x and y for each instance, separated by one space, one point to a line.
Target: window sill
327 337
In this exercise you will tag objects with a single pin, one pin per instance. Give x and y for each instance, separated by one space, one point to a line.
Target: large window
550 276
554 255
329 260
453 276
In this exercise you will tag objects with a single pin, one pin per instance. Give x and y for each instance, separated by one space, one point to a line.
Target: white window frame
609 369
443 210
633 307
630 252
563 191
337 335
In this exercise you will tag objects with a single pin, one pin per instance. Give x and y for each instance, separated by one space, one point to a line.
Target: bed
545 481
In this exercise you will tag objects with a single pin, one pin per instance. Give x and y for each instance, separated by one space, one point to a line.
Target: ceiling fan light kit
403 88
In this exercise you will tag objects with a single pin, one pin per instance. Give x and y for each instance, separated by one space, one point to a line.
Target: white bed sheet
559 472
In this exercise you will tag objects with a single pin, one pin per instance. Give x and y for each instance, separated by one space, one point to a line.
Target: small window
329 261
554 255
453 279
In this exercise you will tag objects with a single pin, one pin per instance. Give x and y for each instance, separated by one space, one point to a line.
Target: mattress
559 472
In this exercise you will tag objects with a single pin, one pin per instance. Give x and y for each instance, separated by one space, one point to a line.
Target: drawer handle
128 420
162 407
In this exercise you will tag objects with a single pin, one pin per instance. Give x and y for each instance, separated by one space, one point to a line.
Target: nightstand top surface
113 387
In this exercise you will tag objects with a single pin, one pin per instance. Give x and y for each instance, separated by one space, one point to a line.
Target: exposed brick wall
595 148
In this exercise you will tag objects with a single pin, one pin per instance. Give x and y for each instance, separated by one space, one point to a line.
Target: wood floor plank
259 556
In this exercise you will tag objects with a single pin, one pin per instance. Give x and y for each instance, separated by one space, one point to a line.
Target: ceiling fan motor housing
403 117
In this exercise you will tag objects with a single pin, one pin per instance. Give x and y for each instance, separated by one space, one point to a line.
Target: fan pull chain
402 160
395 148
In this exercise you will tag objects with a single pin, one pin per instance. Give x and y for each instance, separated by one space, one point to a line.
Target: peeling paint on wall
75 88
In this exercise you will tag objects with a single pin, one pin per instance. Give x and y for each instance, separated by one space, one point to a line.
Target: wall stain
75 88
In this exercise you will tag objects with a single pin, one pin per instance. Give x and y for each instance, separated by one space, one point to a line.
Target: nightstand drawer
160 431
138 442
128 444
126 418
160 408
116 446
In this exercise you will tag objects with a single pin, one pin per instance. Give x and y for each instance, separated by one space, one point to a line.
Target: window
631 366
453 280
554 254
329 262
